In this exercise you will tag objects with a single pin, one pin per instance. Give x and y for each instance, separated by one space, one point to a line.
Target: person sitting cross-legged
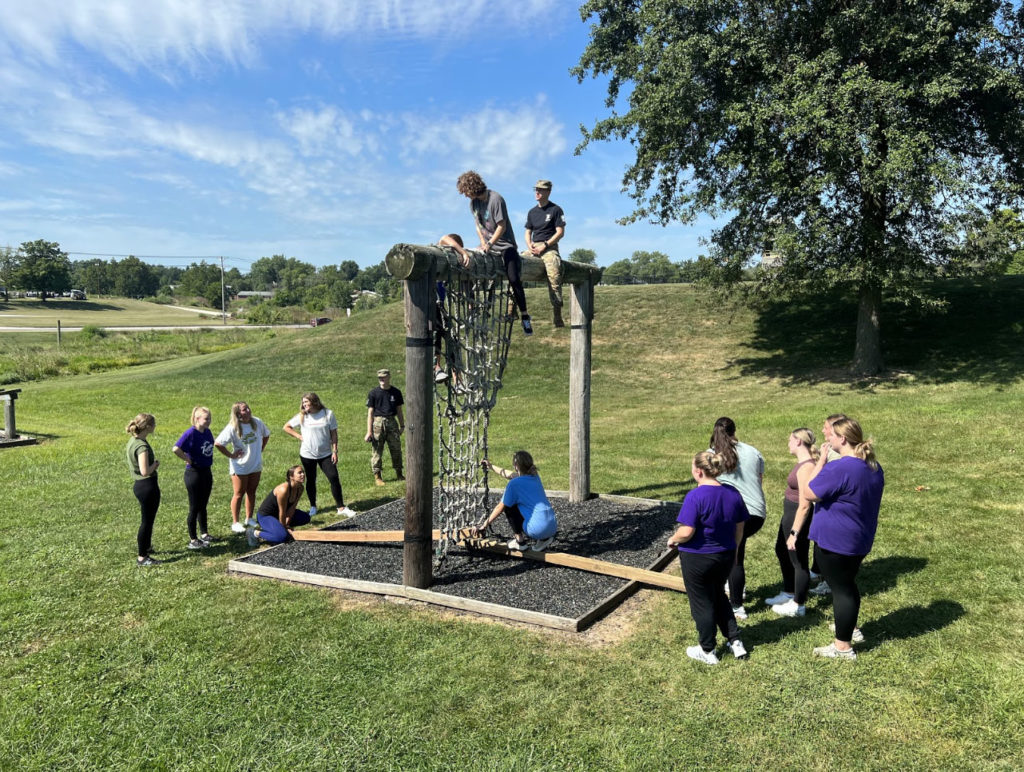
525 505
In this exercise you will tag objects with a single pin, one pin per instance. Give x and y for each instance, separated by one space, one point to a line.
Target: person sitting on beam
526 506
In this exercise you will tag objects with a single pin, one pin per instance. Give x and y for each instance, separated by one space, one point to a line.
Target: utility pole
223 307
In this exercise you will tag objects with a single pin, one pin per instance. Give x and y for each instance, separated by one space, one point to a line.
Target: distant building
244 294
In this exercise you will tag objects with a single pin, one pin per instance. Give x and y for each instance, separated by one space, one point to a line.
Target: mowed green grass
100 312
103 665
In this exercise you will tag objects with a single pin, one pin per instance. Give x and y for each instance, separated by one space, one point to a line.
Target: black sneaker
196 544
527 327
148 561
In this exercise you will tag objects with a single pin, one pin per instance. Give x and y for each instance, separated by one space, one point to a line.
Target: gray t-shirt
746 478
488 214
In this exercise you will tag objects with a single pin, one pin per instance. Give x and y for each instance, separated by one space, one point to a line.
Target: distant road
161 327
198 310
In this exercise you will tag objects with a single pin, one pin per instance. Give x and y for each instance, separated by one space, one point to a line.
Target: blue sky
325 130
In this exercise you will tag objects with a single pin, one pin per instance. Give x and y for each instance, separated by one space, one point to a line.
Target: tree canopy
852 139
41 265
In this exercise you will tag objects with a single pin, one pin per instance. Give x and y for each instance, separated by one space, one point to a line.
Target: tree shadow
58 304
676 488
977 338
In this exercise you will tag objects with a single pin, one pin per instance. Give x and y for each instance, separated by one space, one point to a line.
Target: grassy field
104 666
99 312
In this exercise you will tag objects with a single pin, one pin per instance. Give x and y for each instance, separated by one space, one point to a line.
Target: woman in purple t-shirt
195 448
849 495
711 525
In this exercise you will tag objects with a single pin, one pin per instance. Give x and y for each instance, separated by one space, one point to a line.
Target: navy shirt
384 402
543 221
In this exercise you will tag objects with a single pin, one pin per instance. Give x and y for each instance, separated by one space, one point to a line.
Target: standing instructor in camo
385 423
545 226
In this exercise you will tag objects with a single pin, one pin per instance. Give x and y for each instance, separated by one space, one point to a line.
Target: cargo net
472 338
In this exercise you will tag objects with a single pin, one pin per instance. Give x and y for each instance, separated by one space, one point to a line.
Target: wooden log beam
566 559
411 261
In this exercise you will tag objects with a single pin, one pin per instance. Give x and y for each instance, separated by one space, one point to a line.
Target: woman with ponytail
143 464
849 496
195 448
711 525
743 469
791 543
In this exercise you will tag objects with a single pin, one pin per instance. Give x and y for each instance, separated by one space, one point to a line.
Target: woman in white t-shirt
247 435
318 431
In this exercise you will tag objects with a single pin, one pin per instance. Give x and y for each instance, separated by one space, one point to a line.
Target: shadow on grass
678 490
911 622
976 339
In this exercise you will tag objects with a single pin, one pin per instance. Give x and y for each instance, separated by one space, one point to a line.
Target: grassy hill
103 665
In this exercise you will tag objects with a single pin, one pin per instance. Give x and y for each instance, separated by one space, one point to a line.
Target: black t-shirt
543 221
384 403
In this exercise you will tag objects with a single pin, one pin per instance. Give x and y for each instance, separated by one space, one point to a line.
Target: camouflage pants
553 269
385 430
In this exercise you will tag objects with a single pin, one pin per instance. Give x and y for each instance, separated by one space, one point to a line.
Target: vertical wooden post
58 334
419 430
581 314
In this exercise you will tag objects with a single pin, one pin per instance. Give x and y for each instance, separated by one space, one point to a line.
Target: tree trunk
867 353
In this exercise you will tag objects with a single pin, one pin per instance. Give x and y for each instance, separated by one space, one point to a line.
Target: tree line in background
996 245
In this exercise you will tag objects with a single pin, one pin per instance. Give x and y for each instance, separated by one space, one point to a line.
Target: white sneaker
832 652
515 544
821 589
312 511
346 512
237 528
250 522
789 609
697 653
737 648
739 612
857 637
782 597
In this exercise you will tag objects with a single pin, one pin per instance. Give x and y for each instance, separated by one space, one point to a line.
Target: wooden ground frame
508 613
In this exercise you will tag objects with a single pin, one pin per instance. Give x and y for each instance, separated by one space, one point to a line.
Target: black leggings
147 491
514 270
840 571
198 483
330 469
793 563
515 519
738 576
704 576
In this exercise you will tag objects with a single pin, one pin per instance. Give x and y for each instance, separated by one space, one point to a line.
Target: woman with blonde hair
278 514
195 448
247 436
796 510
143 465
318 433
710 528
849 496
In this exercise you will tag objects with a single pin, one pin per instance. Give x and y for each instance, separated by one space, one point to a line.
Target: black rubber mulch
632 533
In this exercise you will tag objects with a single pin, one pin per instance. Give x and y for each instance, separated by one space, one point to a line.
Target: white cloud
155 33
493 140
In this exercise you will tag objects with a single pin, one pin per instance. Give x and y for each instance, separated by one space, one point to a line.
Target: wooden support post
419 430
580 316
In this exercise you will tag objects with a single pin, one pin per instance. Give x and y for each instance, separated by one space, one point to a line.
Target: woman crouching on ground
791 543
711 526
277 514
143 464
849 496
526 506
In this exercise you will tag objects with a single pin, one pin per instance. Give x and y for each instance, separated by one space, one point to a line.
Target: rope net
473 334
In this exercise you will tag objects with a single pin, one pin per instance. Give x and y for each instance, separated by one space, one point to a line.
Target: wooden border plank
411 593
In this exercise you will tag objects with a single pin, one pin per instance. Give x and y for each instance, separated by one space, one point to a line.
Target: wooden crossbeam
497 547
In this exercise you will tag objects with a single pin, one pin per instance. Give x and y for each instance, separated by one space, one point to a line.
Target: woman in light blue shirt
526 506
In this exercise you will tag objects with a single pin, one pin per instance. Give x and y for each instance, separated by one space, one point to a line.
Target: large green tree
134 278
851 138
43 266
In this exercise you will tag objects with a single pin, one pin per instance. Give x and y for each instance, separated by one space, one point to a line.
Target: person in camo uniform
385 423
